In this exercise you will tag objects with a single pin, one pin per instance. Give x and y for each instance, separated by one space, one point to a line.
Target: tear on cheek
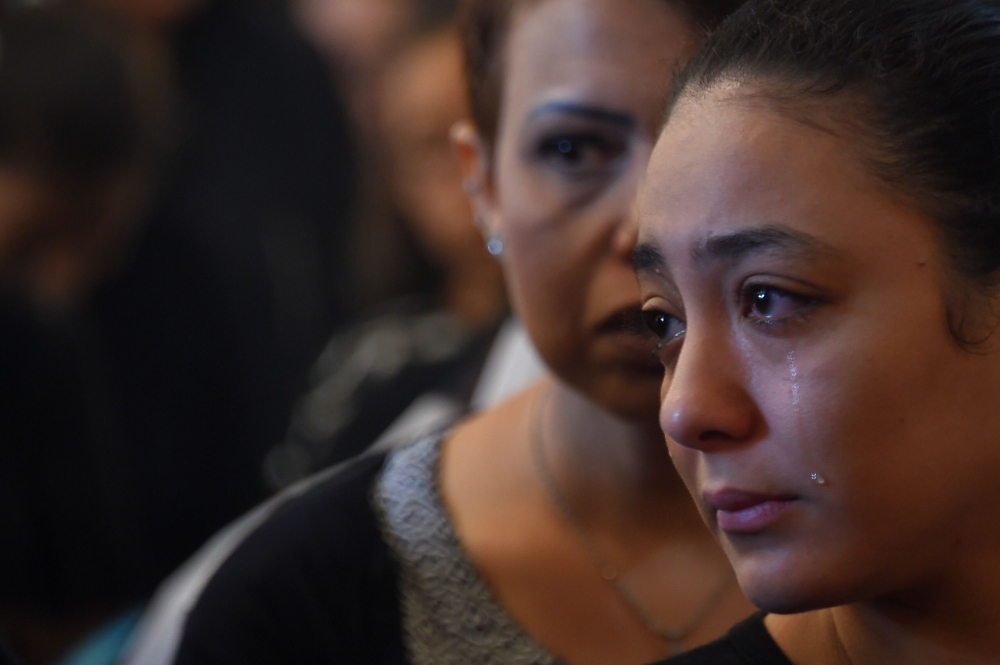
794 387
795 392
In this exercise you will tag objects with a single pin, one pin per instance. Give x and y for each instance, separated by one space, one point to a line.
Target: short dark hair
484 24
69 103
917 81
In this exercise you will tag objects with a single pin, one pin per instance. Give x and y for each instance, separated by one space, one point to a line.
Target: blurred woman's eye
581 154
768 305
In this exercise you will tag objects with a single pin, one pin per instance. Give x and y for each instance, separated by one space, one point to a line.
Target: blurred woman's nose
706 405
627 234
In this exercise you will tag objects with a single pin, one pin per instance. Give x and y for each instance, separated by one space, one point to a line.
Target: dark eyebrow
738 244
646 258
616 118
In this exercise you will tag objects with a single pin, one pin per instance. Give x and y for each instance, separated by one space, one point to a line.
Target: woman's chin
791 588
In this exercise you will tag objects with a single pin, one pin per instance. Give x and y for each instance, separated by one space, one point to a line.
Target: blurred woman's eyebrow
586 111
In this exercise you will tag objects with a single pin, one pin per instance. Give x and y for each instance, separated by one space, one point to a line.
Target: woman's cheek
686 462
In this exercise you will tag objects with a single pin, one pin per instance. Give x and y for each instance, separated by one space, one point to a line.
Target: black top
311 585
748 643
422 350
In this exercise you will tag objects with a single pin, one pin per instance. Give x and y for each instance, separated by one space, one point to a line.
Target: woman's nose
706 405
627 234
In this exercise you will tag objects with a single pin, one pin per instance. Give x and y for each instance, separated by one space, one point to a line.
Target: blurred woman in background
81 136
206 335
133 424
371 373
552 528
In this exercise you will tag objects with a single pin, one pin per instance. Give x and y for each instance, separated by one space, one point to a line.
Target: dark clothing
362 566
748 643
138 429
368 375
64 505
315 584
210 329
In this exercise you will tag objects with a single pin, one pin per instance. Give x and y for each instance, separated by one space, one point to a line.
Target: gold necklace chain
674 635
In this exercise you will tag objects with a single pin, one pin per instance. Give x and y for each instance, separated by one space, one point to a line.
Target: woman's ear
475 162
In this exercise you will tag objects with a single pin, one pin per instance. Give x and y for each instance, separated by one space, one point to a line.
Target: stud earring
470 186
494 241
494 244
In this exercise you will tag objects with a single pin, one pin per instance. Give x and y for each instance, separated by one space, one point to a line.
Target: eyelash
567 152
650 318
803 306
658 319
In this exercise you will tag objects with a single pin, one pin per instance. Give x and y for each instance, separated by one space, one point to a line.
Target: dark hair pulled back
918 81
484 24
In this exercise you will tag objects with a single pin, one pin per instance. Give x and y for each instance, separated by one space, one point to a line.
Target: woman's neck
543 528
474 292
617 474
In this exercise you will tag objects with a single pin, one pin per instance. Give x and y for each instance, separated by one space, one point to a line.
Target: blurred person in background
416 364
184 363
238 278
369 374
81 133
359 40
552 528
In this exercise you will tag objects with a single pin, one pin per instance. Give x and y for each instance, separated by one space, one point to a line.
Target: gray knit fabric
449 614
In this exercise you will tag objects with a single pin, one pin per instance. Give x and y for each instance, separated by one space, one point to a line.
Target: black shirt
748 643
311 585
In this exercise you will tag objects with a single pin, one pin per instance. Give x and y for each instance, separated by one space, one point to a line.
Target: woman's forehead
720 167
586 45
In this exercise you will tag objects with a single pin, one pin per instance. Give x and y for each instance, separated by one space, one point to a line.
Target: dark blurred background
233 248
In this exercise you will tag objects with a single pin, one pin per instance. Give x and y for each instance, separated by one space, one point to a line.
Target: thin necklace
674 635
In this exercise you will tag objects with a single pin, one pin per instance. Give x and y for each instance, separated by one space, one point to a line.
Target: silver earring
494 241
470 186
494 244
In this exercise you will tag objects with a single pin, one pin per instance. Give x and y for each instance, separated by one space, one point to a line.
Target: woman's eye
770 305
580 154
663 325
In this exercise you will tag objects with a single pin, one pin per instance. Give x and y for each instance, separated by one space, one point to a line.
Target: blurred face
55 242
837 438
423 95
359 34
585 83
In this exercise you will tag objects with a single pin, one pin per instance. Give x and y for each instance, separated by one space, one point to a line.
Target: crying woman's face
836 436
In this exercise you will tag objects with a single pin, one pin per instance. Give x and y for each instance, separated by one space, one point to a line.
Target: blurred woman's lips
626 333
741 511
626 320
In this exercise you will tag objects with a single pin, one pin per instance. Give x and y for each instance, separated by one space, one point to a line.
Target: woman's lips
740 511
624 334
